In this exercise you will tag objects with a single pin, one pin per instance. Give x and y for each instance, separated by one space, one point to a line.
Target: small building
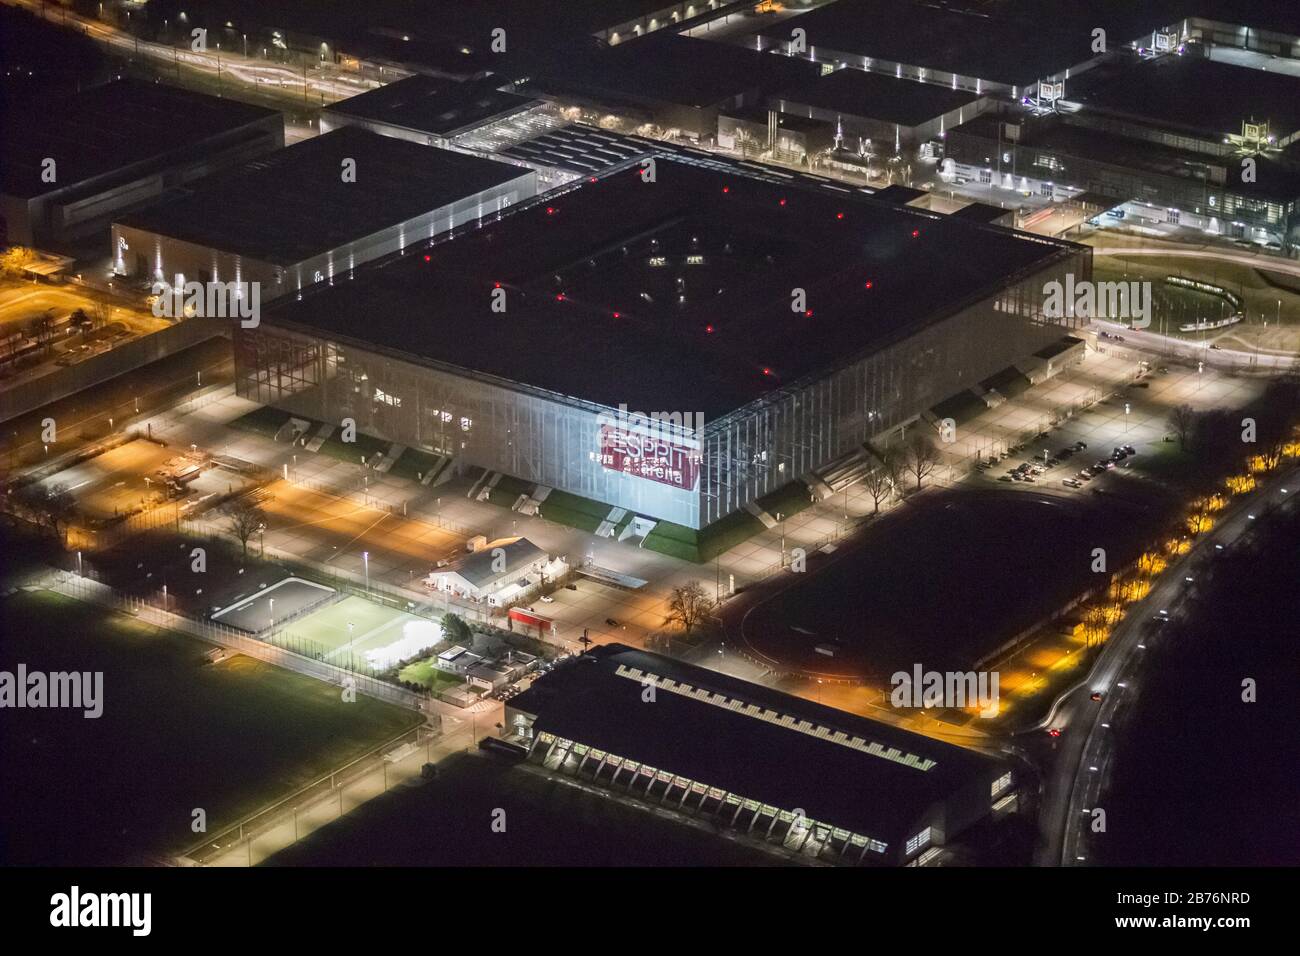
499 565
785 136
314 212
490 675
68 166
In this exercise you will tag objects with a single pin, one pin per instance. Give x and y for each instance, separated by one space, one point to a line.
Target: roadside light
618 315
550 210
428 258
559 297
767 371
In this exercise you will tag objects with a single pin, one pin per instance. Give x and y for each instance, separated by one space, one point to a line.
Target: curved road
1075 781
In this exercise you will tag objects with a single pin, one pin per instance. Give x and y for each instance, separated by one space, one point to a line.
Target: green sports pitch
361 635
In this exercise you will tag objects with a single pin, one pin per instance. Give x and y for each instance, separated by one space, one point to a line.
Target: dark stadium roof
674 294
875 792
431 105
293 204
875 96
1015 43
105 129
1195 94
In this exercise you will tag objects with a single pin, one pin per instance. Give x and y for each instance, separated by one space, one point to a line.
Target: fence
307 799
86 589
128 356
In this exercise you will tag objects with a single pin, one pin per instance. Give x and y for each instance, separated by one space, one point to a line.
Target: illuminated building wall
583 448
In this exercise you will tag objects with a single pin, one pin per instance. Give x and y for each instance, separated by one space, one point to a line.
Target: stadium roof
1194 93
111 128
293 204
430 105
869 777
677 293
875 96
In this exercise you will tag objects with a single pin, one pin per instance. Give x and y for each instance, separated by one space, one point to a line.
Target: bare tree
920 456
42 330
688 606
54 509
1182 419
1094 624
245 519
881 482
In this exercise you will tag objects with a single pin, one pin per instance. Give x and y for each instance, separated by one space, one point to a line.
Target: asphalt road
1085 747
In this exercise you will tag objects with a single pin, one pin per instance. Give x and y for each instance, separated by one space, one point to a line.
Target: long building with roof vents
812 779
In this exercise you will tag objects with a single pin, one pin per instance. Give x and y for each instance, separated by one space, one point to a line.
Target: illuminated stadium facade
770 325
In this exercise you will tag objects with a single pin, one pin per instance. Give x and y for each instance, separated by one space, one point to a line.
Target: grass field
378 637
177 733
428 676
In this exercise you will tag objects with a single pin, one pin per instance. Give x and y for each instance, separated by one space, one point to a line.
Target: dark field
176 733
943 581
447 822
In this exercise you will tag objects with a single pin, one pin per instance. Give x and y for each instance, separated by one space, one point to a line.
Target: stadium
764 326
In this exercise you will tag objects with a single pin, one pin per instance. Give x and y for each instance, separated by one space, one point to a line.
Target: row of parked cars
1118 456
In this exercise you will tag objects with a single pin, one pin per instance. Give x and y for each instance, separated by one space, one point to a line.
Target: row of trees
1217 436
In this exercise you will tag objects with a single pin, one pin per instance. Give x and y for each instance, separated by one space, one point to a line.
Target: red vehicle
544 625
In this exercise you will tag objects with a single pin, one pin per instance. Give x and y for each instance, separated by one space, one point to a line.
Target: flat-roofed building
786 770
314 212
87 157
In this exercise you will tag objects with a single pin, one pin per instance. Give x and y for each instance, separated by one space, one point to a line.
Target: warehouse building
1166 135
888 112
314 212
432 111
117 147
673 349
785 770
1003 50
673 82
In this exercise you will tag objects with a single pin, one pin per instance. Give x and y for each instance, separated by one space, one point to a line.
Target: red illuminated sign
648 456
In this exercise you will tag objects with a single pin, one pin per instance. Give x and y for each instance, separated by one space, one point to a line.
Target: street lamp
365 558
